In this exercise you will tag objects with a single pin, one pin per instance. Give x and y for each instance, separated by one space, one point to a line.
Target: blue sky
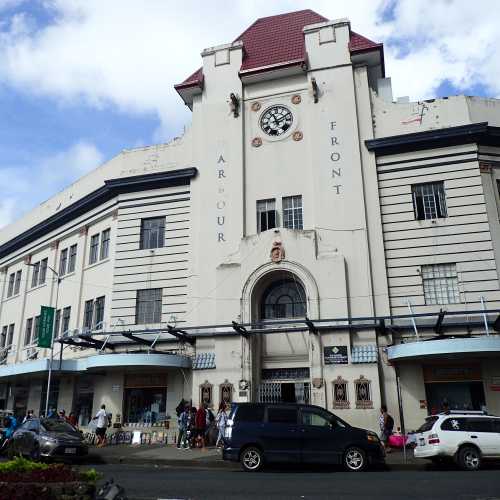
81 80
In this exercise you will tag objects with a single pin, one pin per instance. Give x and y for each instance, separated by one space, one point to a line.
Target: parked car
464 437
47 438
258 433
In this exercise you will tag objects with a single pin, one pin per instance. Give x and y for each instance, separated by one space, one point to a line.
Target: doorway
456 395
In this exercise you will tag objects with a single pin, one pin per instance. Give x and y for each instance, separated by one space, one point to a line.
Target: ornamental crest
277 252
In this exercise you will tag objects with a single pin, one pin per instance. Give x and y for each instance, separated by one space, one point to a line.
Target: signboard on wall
145 380
452 373
46 326
335 355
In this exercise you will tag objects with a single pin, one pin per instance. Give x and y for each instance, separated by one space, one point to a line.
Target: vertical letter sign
46 326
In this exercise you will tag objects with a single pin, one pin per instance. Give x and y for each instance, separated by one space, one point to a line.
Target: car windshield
55 425
427 425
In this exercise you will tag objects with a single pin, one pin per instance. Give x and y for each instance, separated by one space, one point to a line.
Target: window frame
293 216
88 314
98 314
10 288
65 320
42 275
266 206
63 262
146 235
17 283
105 240
28 331
94 248
155 313
434 276
36 329
10 335
72 258
429 205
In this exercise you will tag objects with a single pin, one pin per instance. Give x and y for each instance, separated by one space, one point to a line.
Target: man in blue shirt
10 424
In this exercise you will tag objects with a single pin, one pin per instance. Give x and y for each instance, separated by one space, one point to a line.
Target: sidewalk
169 455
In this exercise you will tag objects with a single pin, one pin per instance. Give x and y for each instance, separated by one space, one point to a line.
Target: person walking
386 423
29 415
102 425
221 421
201 425
183 423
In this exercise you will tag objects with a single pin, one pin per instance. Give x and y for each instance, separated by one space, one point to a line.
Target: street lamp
49 378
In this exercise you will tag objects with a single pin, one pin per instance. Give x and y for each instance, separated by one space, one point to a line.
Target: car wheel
354 459
252 459
469 458
35 453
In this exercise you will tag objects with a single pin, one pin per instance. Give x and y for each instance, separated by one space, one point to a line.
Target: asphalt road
150 482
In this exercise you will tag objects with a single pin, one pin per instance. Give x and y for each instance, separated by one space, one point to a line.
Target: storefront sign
335 355
142 380
46 326
452 373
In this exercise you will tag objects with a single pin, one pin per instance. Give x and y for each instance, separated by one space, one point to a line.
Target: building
307 239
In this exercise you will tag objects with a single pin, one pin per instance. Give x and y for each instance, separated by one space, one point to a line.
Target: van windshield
427 425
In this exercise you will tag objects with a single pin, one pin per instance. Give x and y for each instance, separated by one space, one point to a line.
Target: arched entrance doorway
284 372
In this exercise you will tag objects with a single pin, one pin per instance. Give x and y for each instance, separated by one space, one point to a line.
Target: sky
81 80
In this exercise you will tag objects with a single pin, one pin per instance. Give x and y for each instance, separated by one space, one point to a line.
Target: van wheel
469 458
252 459
354 459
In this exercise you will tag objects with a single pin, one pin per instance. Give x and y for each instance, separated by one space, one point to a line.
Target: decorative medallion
277 252
296 99
256 142
276 120
256 106
298 136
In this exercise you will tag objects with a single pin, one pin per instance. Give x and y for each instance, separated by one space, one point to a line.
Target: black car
47 438
257 433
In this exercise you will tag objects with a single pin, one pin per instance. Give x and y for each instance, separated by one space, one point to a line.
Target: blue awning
479 346
100 361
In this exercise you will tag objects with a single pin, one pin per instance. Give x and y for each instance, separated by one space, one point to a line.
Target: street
150 482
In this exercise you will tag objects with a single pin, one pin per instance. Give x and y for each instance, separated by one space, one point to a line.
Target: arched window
285 298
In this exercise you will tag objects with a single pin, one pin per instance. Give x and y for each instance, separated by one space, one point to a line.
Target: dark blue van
259 433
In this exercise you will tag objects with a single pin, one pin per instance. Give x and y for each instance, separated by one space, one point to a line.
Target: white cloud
29 185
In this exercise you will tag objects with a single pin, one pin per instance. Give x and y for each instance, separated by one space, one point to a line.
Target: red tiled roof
279 40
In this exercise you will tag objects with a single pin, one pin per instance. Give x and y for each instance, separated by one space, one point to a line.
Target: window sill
37 287
64 276
98 263
12 297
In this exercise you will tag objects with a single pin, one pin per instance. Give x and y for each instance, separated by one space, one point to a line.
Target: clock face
276 120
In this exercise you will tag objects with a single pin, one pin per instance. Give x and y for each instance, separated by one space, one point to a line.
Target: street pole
49 379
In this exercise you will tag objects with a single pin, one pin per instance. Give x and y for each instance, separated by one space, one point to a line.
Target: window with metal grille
440 282
27 333
292 212
266 215
10 338
72 258
362 389
152 233
65 320
105 237
36 330
283 299
98 313
340 393
43 271
148 306
17 285
87 315
94 249
429 200
63 262
10 289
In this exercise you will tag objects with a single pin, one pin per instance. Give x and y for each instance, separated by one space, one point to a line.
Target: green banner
46 326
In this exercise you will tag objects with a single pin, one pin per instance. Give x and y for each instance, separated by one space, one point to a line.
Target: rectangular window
152 233
43 271
3 337
63 262
65 320
292 212
94 249
36 330
105 237
72 258
10 338
36 274
27 333
429 200
279 415
148 306
10 289
57 321
87 315
266 215
98 313
17 285
440 283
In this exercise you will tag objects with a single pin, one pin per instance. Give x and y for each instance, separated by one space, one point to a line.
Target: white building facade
308 239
